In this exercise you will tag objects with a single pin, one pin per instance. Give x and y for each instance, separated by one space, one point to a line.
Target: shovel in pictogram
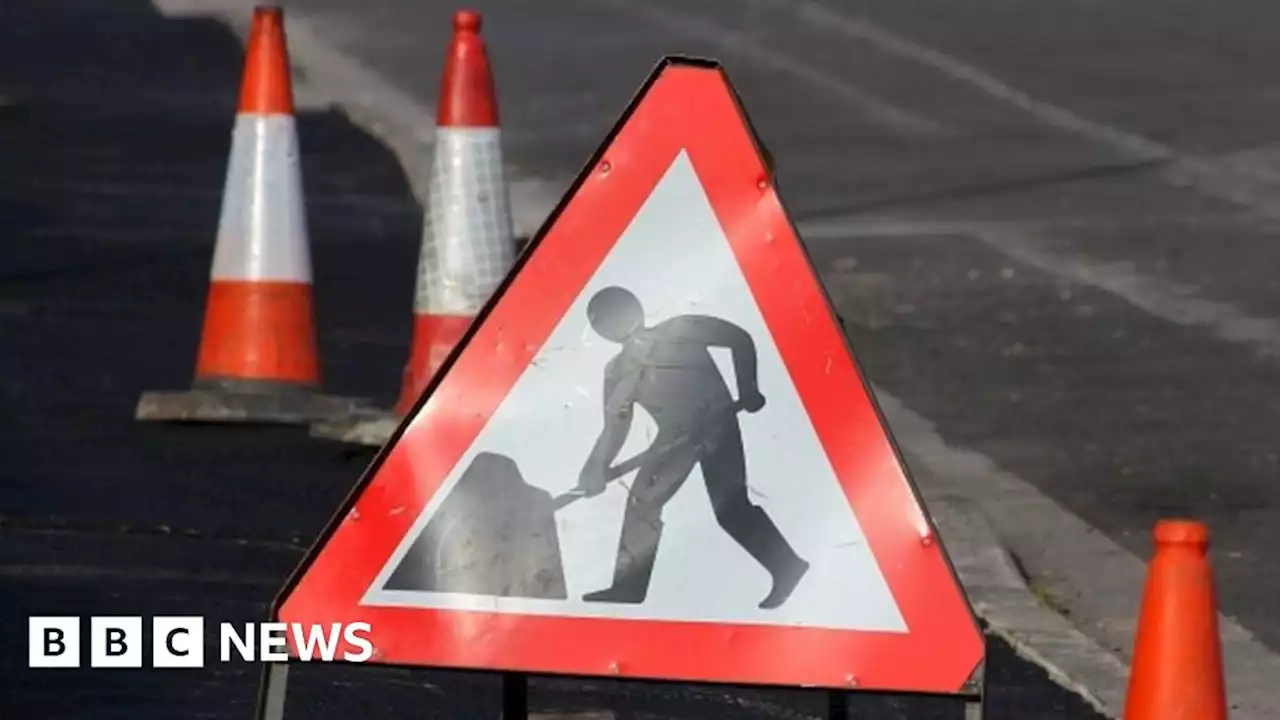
495 534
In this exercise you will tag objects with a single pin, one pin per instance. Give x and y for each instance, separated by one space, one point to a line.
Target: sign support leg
976 693
837 705
275 683
515 697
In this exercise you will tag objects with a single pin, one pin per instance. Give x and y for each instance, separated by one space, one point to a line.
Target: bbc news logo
178 642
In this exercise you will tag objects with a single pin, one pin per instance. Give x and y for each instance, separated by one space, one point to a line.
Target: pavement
114 131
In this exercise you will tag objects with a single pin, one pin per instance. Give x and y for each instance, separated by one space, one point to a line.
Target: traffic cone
257 360
468 242
1177 657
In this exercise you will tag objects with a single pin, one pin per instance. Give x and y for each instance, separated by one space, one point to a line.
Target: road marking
870 107
894 44
1175 303
1249 179
1182 170
1168 301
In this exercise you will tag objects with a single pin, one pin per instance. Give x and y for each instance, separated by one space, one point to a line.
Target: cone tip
467 97
467 21
266 87
267 12
1181 532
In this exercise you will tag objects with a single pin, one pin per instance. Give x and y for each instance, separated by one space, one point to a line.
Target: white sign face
704 565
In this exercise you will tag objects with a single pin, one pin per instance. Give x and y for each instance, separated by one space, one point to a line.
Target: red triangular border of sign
687 104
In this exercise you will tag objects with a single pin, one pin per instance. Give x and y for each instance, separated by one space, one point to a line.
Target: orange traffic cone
257 360
1177 658
468 243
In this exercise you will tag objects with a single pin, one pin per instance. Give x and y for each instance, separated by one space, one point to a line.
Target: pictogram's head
615 313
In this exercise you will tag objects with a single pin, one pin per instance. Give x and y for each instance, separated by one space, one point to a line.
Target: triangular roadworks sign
767 531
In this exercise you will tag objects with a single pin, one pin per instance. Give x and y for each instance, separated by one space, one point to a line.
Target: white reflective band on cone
468 245
262 234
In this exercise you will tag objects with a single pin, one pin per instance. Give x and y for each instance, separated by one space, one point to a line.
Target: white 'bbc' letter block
53 642
115 642
177 642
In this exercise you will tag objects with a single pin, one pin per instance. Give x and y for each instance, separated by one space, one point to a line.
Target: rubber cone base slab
361 427
245 402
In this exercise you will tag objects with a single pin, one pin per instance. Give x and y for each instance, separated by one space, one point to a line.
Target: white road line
1173 302
1168 301
860 29
1183 170
875 109
1250 184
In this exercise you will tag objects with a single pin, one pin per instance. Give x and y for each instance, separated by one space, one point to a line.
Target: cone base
361 427
244 404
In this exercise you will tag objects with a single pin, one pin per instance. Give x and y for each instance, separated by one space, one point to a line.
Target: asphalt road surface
1068 270
114 133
